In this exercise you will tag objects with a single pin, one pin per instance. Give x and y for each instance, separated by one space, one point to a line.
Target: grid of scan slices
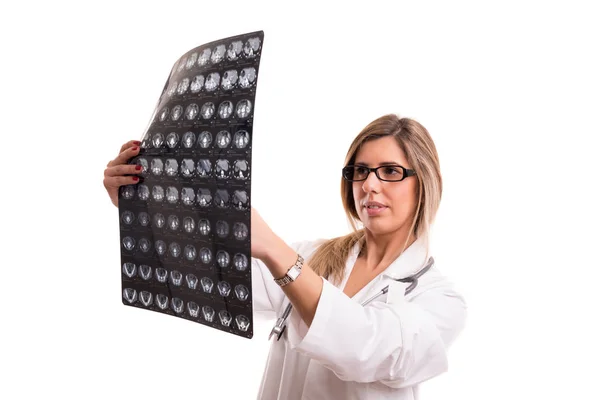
185 227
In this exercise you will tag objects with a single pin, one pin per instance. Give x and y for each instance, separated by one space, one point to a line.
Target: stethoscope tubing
280 325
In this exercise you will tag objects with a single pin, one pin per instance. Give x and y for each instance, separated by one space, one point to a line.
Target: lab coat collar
408 263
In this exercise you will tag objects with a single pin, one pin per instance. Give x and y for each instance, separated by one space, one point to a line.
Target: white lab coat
382 350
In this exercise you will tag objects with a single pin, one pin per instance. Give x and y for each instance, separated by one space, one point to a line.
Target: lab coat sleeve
399 343
263 296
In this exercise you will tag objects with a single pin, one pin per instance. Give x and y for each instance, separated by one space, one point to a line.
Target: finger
124 156
118 181
129 144
123 169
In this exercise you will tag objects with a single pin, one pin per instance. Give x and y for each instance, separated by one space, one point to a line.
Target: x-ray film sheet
185 227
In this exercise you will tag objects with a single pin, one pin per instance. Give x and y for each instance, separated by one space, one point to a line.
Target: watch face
293 273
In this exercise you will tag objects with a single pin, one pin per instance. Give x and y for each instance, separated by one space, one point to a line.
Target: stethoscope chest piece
278 329
280 325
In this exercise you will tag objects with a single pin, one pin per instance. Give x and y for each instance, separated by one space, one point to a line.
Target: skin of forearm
305 291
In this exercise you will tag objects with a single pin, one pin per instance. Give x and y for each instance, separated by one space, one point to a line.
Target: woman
333 347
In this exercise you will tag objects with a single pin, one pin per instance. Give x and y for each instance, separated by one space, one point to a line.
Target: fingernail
135 148
137 142
135 179
138 167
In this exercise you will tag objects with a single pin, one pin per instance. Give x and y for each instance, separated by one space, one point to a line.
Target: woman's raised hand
119 173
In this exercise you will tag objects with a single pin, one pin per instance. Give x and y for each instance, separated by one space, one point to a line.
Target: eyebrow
362 164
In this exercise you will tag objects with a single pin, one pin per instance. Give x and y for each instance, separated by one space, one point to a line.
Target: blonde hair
329 260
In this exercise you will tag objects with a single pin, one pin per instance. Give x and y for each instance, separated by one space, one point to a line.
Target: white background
509 92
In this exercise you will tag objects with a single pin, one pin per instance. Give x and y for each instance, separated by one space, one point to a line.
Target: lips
374 208
373 204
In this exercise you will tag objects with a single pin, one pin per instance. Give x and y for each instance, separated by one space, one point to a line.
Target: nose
372 184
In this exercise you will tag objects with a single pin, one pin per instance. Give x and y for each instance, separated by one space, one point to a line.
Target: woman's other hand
115 174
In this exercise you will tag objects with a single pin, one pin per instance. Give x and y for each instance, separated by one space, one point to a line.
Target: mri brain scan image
185 226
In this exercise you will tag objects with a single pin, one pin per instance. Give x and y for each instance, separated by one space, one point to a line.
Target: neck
379 251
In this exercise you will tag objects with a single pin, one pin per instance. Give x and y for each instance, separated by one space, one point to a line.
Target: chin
382 226
378 227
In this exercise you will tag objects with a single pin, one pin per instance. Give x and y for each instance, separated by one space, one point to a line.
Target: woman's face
384 207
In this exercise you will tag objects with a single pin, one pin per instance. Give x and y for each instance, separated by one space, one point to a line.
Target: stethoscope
280 325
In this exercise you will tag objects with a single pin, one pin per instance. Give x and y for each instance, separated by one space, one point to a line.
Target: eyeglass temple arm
410 172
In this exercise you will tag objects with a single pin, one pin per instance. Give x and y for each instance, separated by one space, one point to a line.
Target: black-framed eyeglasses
386 173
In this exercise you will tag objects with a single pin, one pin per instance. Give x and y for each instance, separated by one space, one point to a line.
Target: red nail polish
135 179
137 142
138 167
135 148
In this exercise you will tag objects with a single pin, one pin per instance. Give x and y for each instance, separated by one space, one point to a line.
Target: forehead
381 150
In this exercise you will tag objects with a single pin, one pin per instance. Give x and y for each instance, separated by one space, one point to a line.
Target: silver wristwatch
292 273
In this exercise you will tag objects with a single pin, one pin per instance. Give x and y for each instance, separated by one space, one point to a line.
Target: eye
361 170
391 170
